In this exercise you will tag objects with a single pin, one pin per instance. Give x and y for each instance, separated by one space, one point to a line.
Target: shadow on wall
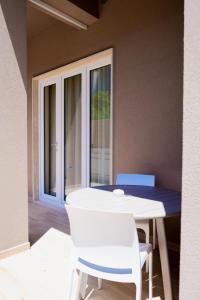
14 32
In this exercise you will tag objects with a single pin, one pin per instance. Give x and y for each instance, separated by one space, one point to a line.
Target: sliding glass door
100 125
63 135
50 139
75 131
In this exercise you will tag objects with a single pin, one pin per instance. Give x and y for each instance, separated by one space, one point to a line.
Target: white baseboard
14 250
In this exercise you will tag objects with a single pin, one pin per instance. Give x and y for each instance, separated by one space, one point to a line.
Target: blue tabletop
171 199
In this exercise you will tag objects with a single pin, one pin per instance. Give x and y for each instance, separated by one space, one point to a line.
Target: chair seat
111 260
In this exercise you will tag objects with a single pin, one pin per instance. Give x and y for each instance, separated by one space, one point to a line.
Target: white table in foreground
40 273
144 203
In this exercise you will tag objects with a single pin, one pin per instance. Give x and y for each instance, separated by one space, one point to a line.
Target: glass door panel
100 125
50 140
72 133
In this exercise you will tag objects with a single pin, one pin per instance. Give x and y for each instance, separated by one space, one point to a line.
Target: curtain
72 128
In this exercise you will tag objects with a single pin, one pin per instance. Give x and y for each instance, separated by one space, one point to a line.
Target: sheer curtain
100 152
72 128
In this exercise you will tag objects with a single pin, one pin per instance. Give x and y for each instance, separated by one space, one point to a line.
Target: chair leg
74 286
154 234
99 283
83 284
138 291
147 242
70 285
150 275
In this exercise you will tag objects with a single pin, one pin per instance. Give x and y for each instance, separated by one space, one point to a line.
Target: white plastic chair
143 180
106 246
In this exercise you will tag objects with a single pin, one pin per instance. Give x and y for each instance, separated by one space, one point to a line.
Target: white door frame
84 70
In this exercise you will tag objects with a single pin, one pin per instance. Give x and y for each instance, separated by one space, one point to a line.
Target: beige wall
147 38
13 125
190 236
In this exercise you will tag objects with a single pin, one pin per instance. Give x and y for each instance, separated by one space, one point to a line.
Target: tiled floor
43 216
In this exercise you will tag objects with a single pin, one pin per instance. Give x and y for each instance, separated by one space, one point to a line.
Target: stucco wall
13 125
190 236
147 38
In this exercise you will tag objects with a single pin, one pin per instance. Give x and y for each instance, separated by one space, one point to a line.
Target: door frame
82 67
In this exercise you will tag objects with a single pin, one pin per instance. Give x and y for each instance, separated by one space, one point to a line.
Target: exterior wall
13 125
147 41
190 224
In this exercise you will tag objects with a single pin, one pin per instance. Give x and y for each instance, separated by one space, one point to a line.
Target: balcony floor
44 216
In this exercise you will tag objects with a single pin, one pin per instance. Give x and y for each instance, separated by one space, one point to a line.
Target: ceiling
86 11
37 21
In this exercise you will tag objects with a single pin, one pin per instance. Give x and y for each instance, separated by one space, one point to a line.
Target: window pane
50 140
72 128
100 151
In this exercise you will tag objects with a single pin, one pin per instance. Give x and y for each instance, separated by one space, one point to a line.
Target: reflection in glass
50 140
72 133
100 151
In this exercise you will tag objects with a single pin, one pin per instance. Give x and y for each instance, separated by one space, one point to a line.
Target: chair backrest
135 179
102 228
